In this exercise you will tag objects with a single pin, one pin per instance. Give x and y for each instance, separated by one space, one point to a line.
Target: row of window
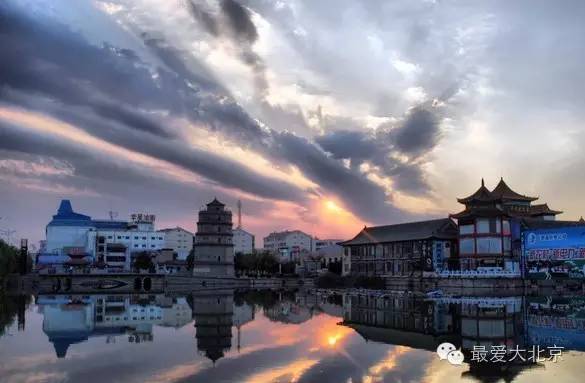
485 245
486 226
393 250
135 237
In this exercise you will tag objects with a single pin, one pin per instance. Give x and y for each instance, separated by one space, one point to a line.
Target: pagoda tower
214 250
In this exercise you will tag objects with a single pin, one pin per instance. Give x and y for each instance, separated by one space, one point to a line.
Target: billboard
558 252
555 244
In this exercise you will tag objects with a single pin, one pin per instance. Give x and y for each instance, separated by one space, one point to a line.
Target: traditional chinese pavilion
486 226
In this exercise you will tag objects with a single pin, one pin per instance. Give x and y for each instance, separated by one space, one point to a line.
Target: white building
180 240
243 241
321 243
104 241
288 245
115 247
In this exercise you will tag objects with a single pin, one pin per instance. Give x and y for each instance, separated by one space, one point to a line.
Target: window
467 246
109 237
135 237
489 245
507 244
495 225
506 227
483 225
127 237
466 229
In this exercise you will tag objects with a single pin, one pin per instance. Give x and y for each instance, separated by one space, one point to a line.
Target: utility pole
23 256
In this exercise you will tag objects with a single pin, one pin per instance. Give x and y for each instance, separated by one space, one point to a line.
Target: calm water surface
227 336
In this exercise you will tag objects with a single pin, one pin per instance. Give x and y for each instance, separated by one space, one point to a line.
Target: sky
323 116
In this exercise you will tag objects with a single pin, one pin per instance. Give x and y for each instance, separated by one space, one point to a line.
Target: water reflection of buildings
69 320
521 322
406 321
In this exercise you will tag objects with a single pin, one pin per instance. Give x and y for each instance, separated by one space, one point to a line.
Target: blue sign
566 243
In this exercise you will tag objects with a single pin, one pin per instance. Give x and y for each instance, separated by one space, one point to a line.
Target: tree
143 261
8 259
191 259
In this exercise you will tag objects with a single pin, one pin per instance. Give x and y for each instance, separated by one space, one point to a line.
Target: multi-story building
179 240
403 250
107 242
288 245
490 223
116 245
243 241
214 250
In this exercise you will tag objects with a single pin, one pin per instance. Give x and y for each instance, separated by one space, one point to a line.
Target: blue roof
67 217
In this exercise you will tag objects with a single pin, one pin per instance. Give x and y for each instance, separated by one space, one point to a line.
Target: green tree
191 259
143 261
8 259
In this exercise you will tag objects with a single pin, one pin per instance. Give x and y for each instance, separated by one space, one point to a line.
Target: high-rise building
214 250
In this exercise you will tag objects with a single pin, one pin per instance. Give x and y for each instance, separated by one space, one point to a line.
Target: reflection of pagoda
213 314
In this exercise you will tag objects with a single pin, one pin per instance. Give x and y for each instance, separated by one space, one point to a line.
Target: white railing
485 273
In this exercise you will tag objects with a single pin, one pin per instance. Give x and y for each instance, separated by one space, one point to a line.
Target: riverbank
154 283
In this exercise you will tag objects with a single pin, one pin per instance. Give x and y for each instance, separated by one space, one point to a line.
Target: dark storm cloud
419 132
239 21
416 135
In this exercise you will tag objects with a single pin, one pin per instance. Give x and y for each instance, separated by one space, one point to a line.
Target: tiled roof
479 211
481 195
443 228
543 209
503 191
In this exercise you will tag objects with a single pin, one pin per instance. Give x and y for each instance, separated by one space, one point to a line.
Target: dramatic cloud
290 104
234 23
416 135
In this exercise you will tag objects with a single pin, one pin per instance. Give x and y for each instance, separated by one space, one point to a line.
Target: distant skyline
322 116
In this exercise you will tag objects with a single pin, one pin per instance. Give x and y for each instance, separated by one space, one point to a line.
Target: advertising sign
555 244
